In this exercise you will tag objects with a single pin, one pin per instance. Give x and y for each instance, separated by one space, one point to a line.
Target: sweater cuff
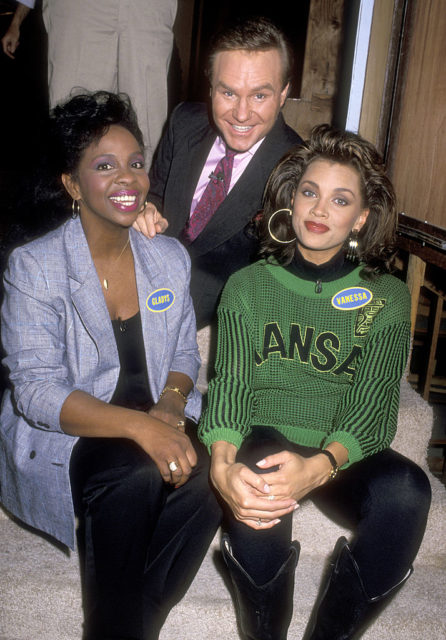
352 445
222 434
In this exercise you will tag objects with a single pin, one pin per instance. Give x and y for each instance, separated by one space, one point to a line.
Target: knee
405 490
141 477
412 485
197 499
103 468
263 441
417 488
199 488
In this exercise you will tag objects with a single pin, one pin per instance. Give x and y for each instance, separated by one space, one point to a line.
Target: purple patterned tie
214 194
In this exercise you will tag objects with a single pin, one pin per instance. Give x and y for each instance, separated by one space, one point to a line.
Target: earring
275 238
75 209
353 246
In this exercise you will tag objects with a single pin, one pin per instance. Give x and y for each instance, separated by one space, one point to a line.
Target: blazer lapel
88 299
150 276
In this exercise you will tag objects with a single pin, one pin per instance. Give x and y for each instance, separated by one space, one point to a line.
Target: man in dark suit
249 70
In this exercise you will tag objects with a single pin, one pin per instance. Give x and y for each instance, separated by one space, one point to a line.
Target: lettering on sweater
319 351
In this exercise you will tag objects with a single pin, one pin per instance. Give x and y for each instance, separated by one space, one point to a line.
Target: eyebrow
106 155
338 189
255 90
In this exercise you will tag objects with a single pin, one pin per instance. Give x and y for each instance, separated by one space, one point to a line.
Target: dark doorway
209 17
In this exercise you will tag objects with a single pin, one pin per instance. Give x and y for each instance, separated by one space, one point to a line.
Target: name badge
351 298
160 300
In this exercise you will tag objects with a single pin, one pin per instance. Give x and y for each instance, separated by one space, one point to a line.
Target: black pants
384 498
140 541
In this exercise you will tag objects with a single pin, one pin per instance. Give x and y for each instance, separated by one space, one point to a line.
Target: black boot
345 610
264 612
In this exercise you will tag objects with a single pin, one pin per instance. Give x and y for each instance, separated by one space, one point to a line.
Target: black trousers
140 541
384 498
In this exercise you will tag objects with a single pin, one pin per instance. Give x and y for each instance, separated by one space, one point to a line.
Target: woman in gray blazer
99 422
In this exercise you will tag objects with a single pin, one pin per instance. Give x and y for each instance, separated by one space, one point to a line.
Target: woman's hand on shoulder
246 492
150 221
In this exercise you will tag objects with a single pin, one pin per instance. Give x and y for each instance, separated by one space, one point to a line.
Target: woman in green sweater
313 341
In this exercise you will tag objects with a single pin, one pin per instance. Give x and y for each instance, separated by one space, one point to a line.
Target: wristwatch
335 468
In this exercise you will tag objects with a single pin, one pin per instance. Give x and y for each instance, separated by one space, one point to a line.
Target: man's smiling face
247 95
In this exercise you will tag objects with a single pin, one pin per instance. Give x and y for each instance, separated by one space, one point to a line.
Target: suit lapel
237 209
243 201
190 168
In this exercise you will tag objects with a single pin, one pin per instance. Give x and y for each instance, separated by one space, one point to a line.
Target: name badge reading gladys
351 298
160 300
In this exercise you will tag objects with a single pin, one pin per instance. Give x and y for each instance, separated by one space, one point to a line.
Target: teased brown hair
377 236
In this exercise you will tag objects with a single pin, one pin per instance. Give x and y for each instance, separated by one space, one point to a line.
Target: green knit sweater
318 366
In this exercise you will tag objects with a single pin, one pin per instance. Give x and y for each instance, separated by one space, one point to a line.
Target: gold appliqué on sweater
366 315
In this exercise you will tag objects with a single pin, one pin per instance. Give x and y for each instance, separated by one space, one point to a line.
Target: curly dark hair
81 121
377 236
251 34
71 127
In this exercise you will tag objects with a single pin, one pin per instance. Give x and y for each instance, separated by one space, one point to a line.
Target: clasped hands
260 500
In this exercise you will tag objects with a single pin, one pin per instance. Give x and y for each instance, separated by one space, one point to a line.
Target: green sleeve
230 396
367 417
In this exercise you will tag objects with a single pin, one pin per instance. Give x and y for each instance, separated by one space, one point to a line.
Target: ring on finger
181 424
271 497
173 466
259 522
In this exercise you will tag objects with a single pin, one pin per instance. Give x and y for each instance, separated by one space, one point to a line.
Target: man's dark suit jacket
226 244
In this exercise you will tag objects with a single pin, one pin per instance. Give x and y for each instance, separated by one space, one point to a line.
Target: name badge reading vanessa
160 300
351 298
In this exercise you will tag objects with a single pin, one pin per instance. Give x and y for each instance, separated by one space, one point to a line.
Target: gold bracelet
175 390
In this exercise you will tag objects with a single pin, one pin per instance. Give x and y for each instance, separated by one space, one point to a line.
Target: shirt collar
222 147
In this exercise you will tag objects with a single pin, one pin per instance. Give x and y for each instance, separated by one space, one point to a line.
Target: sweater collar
316 288
336 268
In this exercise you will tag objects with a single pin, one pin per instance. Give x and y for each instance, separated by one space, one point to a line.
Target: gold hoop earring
75 209
275 238
353 246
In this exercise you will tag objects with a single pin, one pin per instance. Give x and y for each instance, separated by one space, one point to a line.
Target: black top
132 390
337 267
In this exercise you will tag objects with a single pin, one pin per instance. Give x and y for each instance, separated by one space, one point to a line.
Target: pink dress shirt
218 150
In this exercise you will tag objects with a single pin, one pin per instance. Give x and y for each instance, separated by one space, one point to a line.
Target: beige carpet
39 583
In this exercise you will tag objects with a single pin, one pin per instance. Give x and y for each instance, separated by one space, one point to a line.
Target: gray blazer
58 337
